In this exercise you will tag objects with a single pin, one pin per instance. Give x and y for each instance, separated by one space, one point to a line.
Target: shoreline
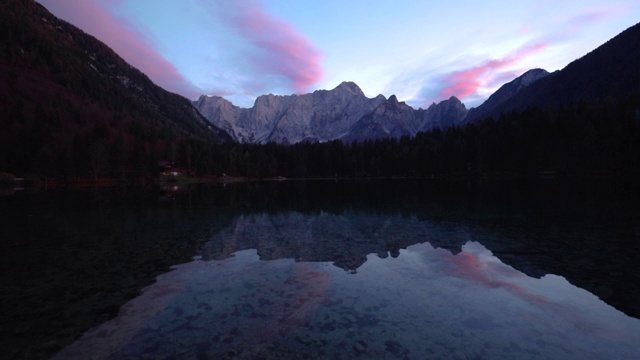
10 184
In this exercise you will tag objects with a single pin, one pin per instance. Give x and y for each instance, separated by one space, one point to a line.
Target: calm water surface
371 270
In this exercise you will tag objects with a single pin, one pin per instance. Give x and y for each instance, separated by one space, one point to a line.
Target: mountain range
73 107
345 113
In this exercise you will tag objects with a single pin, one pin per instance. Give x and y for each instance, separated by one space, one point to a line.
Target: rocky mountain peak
213 100
267 100
454 102
393 103
351 87
505 93
444 114
529 78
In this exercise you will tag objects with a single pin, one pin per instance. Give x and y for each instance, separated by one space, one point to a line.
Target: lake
335 269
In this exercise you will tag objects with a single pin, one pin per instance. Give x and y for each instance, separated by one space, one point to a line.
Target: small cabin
165 166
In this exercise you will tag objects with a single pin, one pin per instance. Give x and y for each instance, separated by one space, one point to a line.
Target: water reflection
71 258
344 239
285 284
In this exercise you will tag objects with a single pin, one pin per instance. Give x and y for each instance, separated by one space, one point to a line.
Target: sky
421 51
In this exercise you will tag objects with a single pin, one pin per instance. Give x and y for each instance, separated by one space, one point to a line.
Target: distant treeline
71 107
581 139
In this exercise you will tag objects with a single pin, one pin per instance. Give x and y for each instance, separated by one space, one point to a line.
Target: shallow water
323 270
426 303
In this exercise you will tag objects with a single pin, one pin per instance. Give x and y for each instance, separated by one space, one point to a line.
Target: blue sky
421 51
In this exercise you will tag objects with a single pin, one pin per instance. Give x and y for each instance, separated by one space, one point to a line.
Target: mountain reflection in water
334 255
278 287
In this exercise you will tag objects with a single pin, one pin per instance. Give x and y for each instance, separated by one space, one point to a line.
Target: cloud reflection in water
427 302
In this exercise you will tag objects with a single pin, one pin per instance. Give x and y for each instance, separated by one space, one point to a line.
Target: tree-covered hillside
72 107
577 140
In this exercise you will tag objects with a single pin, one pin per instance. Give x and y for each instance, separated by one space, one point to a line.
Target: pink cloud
283 51
466 82
504 77
574 25
129 44
491 73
